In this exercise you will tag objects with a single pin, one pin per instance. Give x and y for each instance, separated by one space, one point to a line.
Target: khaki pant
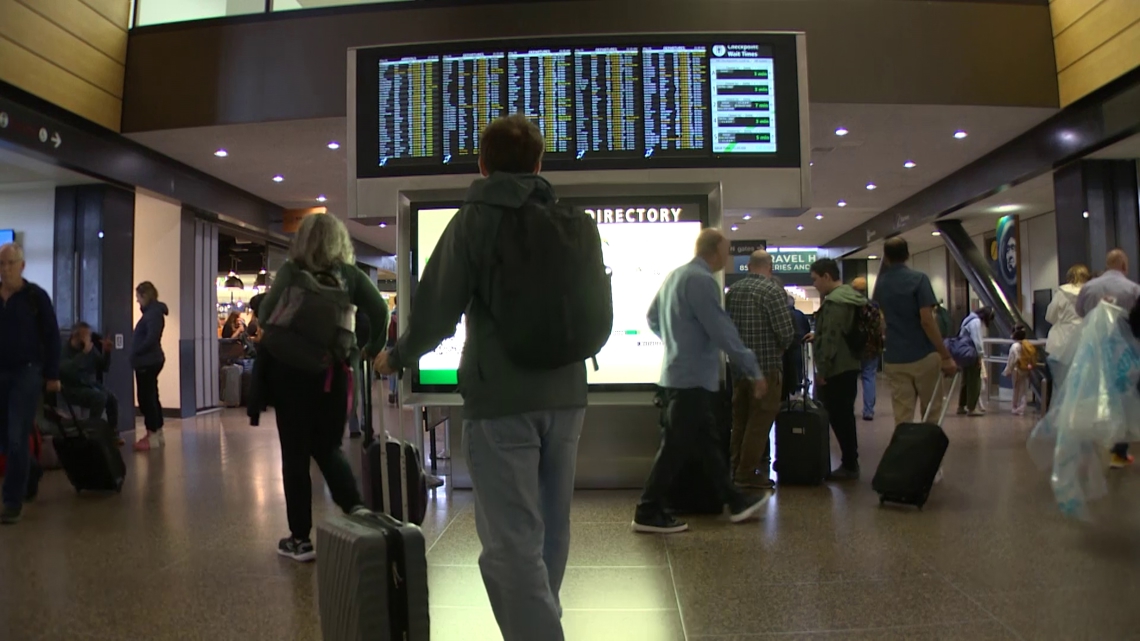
752 420
917 381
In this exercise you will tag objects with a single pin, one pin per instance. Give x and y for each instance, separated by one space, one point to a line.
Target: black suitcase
370 467
372 575
88 451
910 465
803 438
693 492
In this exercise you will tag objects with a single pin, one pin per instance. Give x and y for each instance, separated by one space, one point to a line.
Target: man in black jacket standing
29 364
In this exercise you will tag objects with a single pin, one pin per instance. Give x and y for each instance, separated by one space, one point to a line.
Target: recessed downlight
935 233
960 134
221 153
799 227
1085 214
322 198
872 257
910 164
278 178
334 145
819 216
842 131
746 217
872 186
842 203
734 228
383 225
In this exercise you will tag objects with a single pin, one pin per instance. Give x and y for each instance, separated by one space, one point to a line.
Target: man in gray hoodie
521 426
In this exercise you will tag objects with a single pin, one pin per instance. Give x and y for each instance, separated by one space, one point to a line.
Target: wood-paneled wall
69 52
1095 41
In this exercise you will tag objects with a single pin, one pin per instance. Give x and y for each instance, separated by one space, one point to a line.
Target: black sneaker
10 515
747 507
297 549
844 474
661 523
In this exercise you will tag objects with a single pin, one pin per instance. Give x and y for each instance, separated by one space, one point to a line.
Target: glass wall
152 12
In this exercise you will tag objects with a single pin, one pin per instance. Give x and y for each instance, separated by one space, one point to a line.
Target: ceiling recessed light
734 228
872 257
842 203
334 145
842 131
1085 214
321 198
819 216
811 163
910 164
383 225
799 227
278 178
872 186
221 153
747 217
960 134
935 233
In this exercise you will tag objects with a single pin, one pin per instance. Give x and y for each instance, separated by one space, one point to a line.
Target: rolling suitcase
231 385
913 458
88 451
372 573
803 438
403 458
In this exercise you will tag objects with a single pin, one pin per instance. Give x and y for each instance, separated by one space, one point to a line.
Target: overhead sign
642 213
793 262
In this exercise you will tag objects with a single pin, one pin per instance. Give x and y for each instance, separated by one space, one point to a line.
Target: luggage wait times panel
627 102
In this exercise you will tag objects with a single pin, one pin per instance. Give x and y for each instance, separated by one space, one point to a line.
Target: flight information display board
472 98
604 102
676 112
643 240
409 109
606 113
540 87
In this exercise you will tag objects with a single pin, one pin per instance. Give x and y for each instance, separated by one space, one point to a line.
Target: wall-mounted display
641 243
616 102
7 236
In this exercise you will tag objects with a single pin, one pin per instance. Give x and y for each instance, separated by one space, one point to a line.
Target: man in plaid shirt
758 307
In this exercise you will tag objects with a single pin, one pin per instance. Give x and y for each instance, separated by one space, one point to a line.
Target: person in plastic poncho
1113 285
1064 322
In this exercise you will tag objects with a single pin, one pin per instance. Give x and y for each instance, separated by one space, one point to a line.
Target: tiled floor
187 552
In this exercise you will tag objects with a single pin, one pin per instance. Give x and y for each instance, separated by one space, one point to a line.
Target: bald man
1113 285
757 305
870 366
687 315
29 357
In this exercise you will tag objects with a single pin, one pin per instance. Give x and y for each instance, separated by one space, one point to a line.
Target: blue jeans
870 371
20 394
522 469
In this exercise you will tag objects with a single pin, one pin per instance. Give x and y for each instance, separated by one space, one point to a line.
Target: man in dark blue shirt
29 357
915 356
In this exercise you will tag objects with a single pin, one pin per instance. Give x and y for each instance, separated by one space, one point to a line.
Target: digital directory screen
642 242
604 102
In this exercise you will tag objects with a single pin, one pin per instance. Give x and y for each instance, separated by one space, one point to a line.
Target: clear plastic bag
1096 405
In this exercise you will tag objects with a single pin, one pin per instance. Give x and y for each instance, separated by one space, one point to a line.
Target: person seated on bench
85 359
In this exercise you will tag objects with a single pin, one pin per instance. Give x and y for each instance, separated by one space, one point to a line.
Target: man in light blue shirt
688 317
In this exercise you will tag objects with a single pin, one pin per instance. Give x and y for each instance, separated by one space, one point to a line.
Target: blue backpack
962 348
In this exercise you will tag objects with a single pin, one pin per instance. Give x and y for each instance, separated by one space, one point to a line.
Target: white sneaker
157 440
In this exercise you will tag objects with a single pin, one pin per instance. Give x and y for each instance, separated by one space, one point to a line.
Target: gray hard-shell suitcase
231 385
372 574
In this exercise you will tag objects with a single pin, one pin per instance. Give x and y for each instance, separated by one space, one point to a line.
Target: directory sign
743 100
642 242
604 102
409 109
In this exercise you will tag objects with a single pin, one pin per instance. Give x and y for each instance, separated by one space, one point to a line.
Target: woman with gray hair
312 404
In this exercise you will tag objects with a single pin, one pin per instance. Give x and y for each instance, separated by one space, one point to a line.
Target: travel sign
793 262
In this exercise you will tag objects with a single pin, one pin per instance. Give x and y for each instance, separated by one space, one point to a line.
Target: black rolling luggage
803 439
409 472
88 450
372 569
913 458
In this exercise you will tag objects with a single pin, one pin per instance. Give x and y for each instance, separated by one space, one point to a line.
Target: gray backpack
313 325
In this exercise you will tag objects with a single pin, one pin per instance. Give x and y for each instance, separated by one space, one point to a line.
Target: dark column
852 268
1107 190
188 304
94 272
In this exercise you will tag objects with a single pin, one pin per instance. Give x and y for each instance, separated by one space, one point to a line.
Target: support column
1107 190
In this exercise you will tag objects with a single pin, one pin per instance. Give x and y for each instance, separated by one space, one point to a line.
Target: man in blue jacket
29 362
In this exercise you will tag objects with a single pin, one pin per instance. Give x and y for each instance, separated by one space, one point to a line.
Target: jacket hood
847 295
509 191
156 307
1071 289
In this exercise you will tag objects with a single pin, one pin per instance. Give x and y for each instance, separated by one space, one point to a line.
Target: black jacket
146 347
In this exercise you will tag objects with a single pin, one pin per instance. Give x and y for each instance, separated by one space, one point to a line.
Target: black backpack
550 294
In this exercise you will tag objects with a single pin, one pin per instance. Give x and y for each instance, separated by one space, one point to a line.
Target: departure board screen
606 113
676 108
630 101
744 114
409 109
539 85
473 88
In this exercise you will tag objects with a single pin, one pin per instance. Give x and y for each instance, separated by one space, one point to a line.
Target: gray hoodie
492 386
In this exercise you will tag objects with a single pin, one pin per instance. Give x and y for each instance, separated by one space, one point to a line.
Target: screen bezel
784 54
700 202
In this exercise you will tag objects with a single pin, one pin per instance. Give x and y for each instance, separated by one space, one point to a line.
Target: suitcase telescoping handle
385 479
945 399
